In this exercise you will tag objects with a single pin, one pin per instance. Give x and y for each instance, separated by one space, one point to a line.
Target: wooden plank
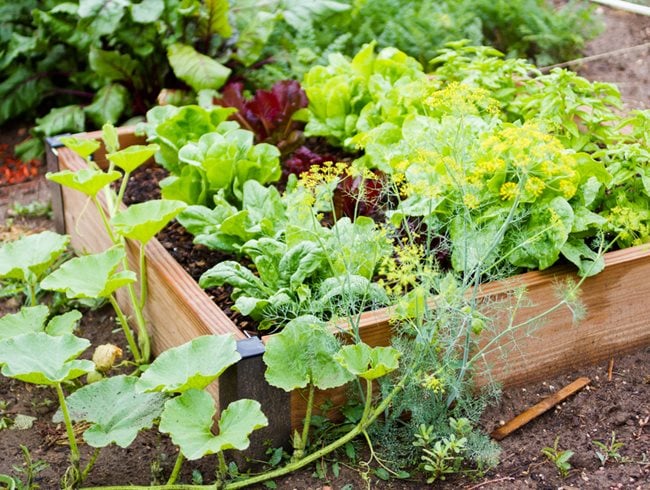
539 408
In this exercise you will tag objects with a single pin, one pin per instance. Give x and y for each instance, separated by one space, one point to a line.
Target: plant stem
32 293
177 468
74 450
104 218
120 195
300 451
127 330
223 467
143 336
364 423
90 464
143 276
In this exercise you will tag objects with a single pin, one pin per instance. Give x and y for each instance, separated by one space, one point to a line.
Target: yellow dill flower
508 191
432 383
471 201
567 188
535 186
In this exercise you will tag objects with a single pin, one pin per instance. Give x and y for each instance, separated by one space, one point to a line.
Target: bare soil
618 407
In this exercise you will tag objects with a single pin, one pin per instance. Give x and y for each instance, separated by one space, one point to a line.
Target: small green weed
609 451
27 471
559 458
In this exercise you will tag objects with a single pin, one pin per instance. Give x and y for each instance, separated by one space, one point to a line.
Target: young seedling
29 259
609 451
47 360
559 458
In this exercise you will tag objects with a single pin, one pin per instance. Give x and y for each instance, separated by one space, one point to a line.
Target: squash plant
139 223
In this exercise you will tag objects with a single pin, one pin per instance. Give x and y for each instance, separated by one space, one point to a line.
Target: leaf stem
127 330
120 195
74 450
143 276
177 468
104 218
90 464
300 450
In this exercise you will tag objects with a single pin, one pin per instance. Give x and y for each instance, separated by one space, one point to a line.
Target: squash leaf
194 364
28 258
131 157
189 418
44 359
302 354
115 409
143 220
368 362
90 276
88 180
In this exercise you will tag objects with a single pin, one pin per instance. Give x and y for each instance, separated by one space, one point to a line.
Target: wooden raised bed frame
617 316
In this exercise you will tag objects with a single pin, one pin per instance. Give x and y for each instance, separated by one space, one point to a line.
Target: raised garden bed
178 310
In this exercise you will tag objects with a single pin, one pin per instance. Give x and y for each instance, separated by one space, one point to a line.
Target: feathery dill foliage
520 28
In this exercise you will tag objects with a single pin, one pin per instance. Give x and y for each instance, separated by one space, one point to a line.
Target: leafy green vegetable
115 410
197 70
301 354
189 418
193 365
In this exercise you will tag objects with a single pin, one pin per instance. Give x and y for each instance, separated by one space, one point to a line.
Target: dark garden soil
618 407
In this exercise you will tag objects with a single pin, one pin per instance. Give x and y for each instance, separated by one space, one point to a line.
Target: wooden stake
537 410
610 369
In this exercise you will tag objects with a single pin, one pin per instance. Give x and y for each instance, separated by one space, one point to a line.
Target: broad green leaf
133 156
147 11
189 419
255 23
194 364
116 411
589 263
88 180
31 256
143 220
108 105
63 324
105 14
43 359
28 319
69 118
110 138
197 70
368 362
234 274
90 276
302 354
215 19
112 66
83 147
